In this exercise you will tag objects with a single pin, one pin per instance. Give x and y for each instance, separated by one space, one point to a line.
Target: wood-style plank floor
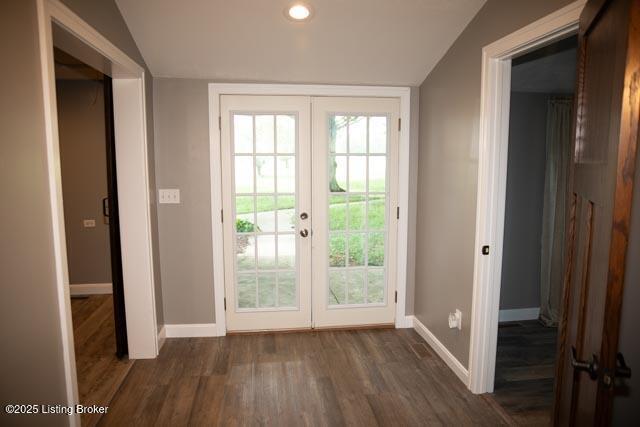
360 378
525 369
100 373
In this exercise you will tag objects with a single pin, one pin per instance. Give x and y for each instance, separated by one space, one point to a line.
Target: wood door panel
606 135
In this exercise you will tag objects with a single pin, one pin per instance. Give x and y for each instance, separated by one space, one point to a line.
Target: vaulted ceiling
394 42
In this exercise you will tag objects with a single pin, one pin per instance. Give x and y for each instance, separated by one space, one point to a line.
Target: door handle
622 370
590 367
105 207
304 232
304 215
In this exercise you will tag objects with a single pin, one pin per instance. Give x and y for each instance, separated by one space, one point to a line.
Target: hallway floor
361 377
100 373
525 369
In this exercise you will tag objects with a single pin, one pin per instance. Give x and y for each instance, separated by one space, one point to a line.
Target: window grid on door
264 181
357 210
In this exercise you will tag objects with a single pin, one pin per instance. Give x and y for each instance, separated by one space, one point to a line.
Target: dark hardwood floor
525 368
100 373
361 378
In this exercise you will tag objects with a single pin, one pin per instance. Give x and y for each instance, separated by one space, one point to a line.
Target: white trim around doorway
133 182
492 178
403 253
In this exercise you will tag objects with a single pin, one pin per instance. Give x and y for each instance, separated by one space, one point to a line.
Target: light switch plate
169 196
88 223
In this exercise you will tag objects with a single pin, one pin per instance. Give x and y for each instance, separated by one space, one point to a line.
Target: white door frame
218 89
133 182
492 180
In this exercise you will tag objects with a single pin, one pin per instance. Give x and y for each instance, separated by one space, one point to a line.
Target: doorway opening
538 165
87 162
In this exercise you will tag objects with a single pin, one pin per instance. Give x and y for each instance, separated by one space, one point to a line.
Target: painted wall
182 161
105 17
83 159
32 366
33 370
448 170
520 287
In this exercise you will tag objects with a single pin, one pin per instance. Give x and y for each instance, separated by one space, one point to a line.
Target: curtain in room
558 146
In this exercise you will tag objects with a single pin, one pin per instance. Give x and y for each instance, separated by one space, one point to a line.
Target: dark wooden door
111 211
606 136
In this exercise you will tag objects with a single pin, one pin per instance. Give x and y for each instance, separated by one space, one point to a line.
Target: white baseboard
454 364
162 337
90 289
191 330
405 322
517 314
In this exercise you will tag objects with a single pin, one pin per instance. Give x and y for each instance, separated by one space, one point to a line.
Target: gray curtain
558 143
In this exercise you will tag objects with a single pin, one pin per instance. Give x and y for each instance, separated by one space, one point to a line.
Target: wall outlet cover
169 196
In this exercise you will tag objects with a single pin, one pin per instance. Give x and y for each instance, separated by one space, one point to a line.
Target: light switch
169 195
89 223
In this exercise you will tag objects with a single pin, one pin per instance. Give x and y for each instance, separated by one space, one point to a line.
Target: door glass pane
357 205
286 133
265 134
243 134
358 134
244 174
265 211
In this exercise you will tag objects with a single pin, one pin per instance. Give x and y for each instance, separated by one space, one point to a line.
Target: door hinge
225 304
221 215
398 212
396 297
399 124
220 122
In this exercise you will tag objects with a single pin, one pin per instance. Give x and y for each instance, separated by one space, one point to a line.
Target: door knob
304 215
304 232
590 367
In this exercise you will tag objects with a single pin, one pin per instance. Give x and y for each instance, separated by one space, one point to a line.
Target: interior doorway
88 170
309 184
539 157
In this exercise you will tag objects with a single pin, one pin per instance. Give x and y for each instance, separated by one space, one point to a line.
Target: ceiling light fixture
298 12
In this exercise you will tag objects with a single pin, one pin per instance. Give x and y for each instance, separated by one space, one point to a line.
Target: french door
309 199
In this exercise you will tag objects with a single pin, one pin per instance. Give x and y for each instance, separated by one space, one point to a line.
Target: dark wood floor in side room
525 368
100 373
360 377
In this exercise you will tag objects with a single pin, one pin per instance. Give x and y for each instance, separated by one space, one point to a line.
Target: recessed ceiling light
298 12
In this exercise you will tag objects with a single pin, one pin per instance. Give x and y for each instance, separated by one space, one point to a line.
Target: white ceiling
394 42
554 73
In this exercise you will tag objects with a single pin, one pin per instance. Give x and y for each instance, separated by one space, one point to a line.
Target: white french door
296 261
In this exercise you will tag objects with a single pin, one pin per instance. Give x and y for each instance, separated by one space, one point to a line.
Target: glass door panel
269 262
356 150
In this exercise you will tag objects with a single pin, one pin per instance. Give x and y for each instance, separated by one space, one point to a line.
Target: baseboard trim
454 364
405 322
194 330
517 314
162 337
90 289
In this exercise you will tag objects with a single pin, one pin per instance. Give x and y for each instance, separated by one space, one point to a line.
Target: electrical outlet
455 320
169 196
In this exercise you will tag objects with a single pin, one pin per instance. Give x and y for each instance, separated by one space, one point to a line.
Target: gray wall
105 17
448 170
83 159
182 161
32 366
32 371
520 286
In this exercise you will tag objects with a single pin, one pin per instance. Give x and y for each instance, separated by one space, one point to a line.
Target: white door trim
492 178
134 197
218 89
